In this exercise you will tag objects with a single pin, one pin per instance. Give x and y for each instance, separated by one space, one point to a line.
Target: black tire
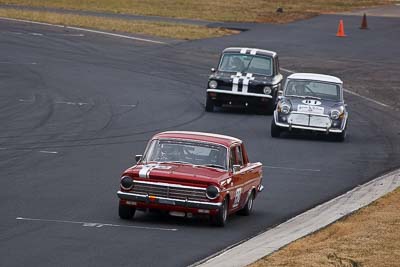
249 205
270 108
271 105
340 137
275 129
126 212
209 105
221 217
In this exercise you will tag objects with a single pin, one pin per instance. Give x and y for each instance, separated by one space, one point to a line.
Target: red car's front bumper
171 204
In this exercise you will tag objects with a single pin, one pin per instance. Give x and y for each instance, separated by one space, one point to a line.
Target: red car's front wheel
220 218
126 212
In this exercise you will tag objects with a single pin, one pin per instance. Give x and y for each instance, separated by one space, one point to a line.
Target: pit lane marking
96 224
86 30
291 169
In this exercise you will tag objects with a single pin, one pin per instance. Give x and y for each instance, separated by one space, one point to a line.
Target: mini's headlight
285 108
267 90
127 183
212 84
335 114
212 192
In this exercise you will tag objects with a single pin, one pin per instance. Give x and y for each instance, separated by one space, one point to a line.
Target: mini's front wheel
275 129
340 137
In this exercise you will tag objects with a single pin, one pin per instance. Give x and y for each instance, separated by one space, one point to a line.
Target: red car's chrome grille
169 191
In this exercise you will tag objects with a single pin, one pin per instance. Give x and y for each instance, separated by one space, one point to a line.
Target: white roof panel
315 76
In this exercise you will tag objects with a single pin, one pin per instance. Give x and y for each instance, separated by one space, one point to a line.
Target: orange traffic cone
340 31
364 24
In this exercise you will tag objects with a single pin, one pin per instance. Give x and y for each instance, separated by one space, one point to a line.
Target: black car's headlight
212 192
126 183
335 114
267 90
212 84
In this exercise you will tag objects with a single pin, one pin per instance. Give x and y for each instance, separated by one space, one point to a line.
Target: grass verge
160 29
369 237
214 10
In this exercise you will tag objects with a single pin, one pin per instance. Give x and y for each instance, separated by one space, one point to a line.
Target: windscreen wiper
213 166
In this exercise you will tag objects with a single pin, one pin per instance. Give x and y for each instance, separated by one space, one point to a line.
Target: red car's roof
199 136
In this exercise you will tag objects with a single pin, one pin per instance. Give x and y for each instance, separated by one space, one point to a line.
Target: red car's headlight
212 192
126 182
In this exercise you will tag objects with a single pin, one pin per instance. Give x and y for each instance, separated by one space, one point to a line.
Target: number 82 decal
238 193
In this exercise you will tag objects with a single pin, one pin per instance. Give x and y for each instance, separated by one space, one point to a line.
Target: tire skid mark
53 143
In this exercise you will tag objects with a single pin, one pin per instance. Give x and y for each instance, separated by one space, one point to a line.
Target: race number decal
237 197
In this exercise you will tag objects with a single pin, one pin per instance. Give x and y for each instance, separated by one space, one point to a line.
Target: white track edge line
96 224
86 30
304 224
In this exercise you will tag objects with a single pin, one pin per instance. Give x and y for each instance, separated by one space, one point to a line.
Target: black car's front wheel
275 129
126 212
209 104
270 108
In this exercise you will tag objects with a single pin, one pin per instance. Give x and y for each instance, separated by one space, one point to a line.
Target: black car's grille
256 89
252 88
224 86
169 191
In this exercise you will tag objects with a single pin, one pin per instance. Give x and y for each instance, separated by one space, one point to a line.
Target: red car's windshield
196 153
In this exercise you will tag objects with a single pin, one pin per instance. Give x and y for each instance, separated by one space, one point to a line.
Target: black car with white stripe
247 77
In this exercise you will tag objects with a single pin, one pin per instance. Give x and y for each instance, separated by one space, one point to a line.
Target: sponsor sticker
310 109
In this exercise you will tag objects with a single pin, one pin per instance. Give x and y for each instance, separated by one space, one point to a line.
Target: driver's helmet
237 63
170 152
299 87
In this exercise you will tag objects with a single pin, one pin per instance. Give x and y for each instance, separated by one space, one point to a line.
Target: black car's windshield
181 151
246 63
313 89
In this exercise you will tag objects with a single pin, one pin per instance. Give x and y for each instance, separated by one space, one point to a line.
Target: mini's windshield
181 151
246 63
313 89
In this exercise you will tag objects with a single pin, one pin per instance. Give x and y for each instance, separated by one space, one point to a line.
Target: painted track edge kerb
86 30
304 224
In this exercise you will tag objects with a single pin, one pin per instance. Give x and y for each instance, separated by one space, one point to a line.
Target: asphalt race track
76 107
